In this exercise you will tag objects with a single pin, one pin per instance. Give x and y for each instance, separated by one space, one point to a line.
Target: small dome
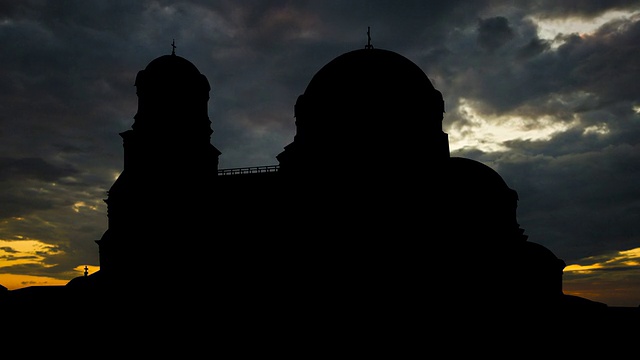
478 197
472 178
172 65
171 74
537 255
171 89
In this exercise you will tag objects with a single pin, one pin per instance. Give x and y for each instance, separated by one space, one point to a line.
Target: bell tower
170 166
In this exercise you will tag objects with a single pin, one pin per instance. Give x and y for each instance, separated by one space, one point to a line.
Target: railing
249 170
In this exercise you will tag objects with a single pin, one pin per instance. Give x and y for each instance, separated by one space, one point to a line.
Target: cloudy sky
546 92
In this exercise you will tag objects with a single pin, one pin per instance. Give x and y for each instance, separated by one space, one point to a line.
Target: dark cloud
605 62
561 193
494 32
8 250
584 73
32 168
533 48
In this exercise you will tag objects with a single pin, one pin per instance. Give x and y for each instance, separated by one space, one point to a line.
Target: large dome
368 106
370 86
367 71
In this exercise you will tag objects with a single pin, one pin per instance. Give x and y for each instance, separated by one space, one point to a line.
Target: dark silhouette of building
163 195
366 221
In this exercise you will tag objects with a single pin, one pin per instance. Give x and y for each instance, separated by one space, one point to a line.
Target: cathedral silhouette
365 212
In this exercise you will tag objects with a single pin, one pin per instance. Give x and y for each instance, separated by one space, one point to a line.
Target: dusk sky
545 92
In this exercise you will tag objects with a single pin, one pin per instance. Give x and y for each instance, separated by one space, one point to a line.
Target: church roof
171 74
373 95
473 178
368 70
172 64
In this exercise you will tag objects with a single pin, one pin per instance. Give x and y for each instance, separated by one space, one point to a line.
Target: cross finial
368 46
86 270
173 45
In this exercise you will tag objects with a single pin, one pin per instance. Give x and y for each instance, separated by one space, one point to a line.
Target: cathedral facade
331 220
365 219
